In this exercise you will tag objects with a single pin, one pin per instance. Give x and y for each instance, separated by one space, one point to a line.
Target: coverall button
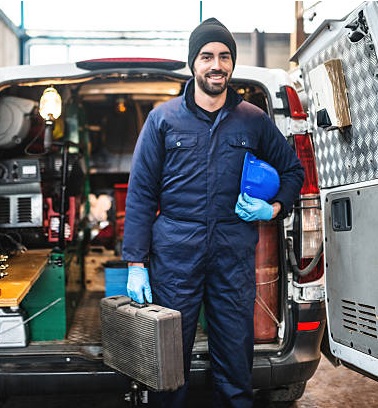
243 143
178 144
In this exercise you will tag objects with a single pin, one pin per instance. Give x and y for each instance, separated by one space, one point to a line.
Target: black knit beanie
210 30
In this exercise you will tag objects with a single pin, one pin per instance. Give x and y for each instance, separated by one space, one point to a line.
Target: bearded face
213 68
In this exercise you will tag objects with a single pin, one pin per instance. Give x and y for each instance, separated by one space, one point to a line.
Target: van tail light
311 236
294 104
309 248
308 326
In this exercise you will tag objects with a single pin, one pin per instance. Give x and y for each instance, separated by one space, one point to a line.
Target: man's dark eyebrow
211 53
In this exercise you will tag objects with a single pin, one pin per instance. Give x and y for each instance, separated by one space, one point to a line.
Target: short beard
211 90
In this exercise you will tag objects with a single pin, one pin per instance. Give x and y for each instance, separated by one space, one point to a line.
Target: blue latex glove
138 284
253 209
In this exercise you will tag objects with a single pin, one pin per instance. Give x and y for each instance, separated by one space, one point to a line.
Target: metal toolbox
143 342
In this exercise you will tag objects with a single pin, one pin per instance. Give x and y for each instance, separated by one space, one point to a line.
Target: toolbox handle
122 300
139 305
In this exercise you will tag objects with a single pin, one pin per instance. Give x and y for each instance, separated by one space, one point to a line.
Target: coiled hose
293 260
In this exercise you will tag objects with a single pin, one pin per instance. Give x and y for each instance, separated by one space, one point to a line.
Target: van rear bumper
48 377
68 372
296 364
299 359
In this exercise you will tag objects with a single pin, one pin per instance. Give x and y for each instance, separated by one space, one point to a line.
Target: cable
50 305
293 261
13 246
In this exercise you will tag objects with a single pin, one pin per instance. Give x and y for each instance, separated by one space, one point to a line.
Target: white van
339 66
69 165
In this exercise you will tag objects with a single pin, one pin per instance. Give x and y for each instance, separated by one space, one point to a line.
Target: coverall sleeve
280 154
143 192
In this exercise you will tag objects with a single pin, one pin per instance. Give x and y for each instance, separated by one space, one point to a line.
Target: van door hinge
358 27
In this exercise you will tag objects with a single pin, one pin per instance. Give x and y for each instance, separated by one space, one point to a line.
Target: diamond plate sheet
350 157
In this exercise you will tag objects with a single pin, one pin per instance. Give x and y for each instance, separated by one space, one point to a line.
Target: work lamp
50 108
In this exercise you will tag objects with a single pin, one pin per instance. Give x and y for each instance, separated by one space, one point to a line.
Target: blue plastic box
116 274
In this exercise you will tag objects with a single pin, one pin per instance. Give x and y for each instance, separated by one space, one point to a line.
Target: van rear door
340 72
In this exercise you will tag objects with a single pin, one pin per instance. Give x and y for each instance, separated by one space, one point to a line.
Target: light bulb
50 104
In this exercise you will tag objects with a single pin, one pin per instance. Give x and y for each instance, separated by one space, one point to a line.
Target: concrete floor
338 387
331 387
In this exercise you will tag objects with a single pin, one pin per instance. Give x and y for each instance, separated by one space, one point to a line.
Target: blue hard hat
259 179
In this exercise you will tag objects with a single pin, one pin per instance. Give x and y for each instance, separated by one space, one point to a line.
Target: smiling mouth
216 75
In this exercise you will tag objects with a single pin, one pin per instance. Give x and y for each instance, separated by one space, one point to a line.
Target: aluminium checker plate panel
352 156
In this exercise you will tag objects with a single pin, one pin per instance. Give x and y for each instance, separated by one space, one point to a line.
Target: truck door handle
341 213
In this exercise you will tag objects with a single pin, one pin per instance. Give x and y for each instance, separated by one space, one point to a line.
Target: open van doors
339 66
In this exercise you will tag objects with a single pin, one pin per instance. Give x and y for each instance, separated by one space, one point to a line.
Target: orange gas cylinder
267 263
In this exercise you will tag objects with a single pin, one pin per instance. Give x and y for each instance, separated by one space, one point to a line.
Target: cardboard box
330 95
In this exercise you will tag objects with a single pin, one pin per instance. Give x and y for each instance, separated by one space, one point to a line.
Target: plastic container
116 274
259 179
